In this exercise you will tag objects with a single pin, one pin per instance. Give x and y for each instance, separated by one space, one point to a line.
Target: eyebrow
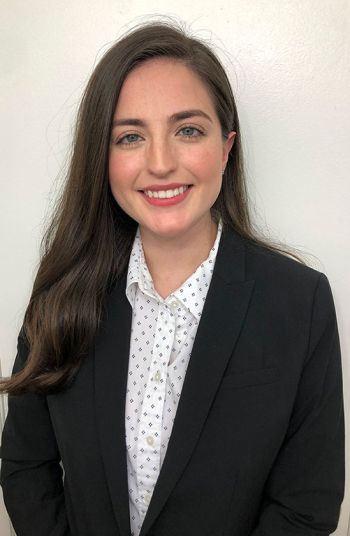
174 118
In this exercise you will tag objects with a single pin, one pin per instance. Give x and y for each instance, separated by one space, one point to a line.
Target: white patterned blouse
162 336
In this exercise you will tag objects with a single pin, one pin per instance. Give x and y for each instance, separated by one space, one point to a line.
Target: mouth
166 194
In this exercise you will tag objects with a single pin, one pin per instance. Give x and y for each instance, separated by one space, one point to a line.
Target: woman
186 374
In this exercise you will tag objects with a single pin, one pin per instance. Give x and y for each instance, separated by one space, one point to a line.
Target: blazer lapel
222 319
111 368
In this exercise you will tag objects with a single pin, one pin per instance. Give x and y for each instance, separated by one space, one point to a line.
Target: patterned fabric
162 336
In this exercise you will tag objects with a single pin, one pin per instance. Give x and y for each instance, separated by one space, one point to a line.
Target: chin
166 229
170 231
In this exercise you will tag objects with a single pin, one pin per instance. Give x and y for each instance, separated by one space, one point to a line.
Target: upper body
255 446
257 442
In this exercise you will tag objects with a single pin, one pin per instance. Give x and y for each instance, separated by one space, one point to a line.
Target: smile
166 194
166 198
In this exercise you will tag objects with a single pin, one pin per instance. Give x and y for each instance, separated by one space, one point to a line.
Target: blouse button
157 376
173 304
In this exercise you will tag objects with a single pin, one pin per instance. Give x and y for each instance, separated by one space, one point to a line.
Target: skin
161 151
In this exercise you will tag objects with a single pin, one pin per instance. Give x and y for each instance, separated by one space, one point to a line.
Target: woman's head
167 141
155 41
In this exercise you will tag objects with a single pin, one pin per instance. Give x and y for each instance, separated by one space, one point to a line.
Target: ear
227 146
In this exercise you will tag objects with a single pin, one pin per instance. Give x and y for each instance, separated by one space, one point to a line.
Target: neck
172 260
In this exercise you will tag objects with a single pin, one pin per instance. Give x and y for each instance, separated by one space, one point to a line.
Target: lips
165 198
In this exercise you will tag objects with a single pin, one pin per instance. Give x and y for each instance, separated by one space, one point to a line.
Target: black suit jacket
257 447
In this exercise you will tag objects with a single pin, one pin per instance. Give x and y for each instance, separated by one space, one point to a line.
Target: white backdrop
289 63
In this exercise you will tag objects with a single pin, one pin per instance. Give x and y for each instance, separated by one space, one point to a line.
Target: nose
161 158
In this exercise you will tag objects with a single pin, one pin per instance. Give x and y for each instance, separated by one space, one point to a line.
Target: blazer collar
221 322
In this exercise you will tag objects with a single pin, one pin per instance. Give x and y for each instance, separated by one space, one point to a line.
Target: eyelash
200 133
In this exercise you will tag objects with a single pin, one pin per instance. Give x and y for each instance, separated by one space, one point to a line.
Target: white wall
291 73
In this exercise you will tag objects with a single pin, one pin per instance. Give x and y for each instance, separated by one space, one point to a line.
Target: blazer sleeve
305 488
31 475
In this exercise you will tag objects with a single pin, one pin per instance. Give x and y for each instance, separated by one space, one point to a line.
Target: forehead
163 85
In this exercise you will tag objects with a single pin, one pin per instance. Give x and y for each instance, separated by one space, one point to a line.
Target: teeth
166 194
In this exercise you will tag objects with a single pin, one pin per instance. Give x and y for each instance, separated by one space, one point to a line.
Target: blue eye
191 132
129 139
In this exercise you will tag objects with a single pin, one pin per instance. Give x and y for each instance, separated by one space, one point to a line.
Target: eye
190 132
129 139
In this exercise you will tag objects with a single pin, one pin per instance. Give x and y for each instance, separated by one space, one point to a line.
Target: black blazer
257 447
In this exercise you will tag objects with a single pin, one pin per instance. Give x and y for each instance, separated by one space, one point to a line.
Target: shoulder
273 270
262 261
290 292
293 281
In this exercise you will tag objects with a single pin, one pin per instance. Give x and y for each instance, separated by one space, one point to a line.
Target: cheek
118 180
206 164
122 170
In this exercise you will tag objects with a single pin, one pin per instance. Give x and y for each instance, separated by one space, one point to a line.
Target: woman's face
167 152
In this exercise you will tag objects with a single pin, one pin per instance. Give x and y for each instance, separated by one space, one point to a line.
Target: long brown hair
87 246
